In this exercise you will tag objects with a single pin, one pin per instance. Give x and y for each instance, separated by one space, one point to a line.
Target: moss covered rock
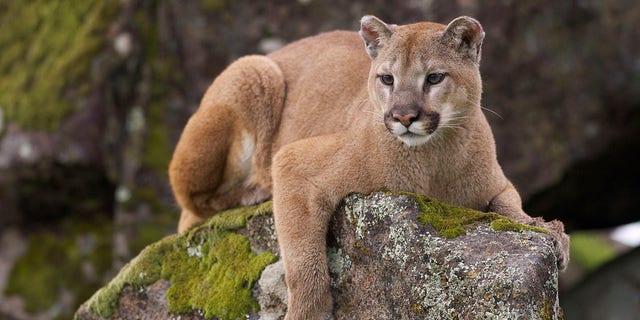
207 272
391 256
409 257
47 49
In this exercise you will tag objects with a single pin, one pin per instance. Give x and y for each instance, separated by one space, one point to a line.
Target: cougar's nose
405 118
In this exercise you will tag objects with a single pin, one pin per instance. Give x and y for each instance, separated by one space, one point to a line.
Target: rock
272 292
391 256
391 266
211 271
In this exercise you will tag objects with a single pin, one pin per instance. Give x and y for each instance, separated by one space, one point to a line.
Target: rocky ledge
392 256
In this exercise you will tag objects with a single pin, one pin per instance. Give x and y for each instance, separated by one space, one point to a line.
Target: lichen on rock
384 262
417 258
272 294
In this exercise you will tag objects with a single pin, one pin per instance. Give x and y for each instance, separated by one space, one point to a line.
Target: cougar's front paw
561 240
309 306
321 316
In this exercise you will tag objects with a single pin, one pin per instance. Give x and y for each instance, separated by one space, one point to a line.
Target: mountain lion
326 116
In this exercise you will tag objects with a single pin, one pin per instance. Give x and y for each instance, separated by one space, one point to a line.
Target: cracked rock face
386 264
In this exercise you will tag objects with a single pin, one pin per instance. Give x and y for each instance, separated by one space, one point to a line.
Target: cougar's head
424 77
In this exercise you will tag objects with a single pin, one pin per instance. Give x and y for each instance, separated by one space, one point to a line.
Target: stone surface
386 264
272 292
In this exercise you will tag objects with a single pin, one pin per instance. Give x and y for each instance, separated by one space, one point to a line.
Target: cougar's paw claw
561 240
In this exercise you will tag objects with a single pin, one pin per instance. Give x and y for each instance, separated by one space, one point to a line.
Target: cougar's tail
225 148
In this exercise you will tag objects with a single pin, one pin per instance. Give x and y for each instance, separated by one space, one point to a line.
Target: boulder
391 256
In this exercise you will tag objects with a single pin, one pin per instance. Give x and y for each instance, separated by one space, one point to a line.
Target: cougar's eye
386 79
435 78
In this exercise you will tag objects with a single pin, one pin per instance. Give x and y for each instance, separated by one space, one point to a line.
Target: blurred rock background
94 95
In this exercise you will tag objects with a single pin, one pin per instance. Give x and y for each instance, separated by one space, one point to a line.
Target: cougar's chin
413 139
412 136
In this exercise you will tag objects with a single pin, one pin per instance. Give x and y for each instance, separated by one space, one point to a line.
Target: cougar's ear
375 33
465 34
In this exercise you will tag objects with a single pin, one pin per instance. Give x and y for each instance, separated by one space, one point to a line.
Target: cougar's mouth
413 129
414 135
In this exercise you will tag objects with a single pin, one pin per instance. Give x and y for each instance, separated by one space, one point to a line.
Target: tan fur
335 128
223 157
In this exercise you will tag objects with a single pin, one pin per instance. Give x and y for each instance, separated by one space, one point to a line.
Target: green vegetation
220 283
505 224
210 268
47 48
54 261
452 221
213 5
590 250
157 151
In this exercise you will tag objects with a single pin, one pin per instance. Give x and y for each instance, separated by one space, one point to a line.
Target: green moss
143 270
157 149
452 221
47 48
210 268
213 5
505 224
590 250
53 262
222 278
40 287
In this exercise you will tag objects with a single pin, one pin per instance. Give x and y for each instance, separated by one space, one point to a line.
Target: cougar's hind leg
262 107
199 163
262 86
223 157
